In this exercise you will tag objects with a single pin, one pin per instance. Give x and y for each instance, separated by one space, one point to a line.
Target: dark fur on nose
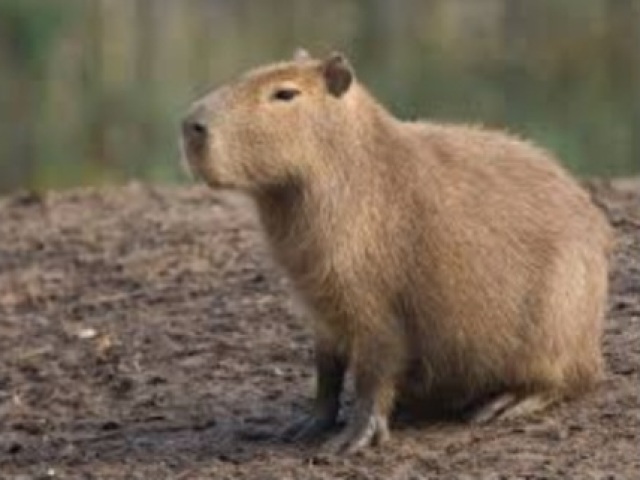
194 130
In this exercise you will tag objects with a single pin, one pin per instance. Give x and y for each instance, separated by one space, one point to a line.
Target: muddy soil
144 334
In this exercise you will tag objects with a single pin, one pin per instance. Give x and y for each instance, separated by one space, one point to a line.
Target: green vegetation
92 91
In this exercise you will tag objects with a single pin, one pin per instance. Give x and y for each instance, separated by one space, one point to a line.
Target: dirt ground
144 334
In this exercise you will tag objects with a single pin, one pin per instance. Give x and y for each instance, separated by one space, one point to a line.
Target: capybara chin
455 265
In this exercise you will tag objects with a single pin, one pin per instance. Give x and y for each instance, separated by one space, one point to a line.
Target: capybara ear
338 74
300 55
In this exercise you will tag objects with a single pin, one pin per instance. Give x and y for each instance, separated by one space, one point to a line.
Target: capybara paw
308 429
357 435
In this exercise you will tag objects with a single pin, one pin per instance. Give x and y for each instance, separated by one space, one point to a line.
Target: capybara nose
194 130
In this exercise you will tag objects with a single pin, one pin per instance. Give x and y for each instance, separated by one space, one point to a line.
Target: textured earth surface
144 334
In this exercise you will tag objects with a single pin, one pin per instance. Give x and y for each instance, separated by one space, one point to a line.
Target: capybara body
455 266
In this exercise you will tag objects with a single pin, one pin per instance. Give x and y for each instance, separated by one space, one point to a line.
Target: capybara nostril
194 130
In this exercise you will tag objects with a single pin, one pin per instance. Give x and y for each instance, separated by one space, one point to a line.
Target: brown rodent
452 264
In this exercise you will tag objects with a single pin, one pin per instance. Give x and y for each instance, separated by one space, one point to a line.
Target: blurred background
91 91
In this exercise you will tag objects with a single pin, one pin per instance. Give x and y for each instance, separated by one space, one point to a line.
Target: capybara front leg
375 370
330 371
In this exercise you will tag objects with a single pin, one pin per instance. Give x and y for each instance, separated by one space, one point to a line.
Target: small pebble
87 333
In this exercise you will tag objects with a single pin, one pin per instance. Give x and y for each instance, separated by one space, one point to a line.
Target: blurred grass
91 91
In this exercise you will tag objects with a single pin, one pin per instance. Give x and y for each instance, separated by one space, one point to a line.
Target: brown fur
440 262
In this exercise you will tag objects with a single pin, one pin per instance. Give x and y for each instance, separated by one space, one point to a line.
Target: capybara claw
357 436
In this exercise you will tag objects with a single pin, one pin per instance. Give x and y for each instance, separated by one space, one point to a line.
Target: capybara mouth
194 142
187 160
195 137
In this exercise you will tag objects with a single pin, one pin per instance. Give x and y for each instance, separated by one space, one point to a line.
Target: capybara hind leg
491 409
528 405
508 406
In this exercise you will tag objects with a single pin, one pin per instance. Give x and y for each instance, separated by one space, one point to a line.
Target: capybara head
260 130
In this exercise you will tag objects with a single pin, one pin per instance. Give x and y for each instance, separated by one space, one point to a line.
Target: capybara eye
285 94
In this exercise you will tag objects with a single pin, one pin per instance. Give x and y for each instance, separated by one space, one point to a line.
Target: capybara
452 264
